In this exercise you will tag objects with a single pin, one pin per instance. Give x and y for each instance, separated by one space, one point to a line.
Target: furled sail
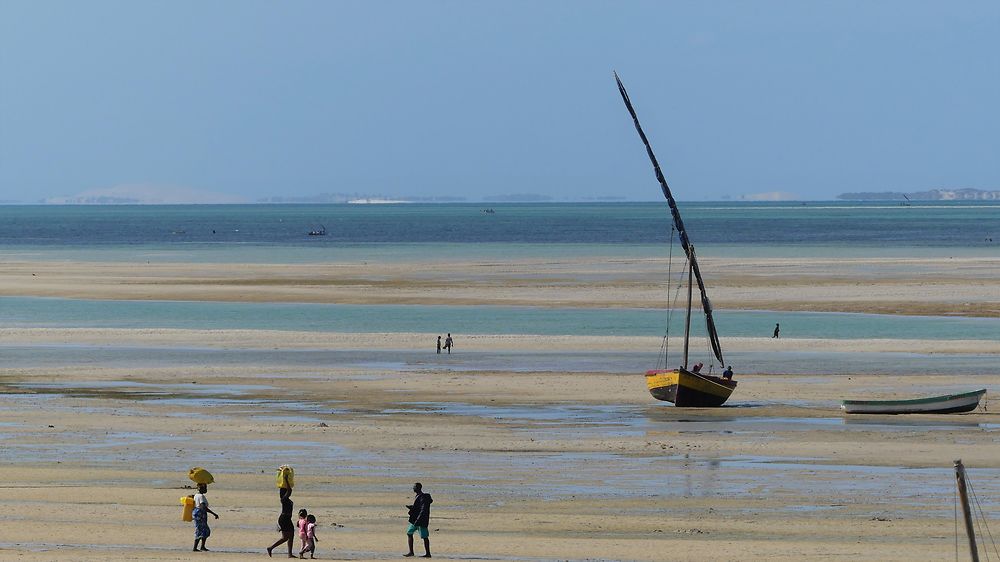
713 336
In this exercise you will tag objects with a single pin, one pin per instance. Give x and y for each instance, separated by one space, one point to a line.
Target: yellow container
285 477
188 503
199 475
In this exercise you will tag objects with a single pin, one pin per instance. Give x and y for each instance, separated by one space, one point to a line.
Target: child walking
301 526
309 540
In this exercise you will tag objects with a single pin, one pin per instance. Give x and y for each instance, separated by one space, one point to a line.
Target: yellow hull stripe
663 379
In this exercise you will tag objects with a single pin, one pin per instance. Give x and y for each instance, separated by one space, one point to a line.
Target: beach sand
523 465
928 286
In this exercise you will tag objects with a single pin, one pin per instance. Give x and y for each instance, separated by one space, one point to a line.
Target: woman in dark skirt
200 517
285 521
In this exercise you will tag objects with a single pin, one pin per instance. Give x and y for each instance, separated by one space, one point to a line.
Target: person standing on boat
728 373
448 342
777 328
439 345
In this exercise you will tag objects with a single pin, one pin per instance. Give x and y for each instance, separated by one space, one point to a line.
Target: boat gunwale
913 401
716 380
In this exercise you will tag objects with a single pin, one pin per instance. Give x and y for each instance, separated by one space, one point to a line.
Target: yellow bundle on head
285 477
199 475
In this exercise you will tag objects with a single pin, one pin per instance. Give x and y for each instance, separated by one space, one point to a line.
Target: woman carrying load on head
285 521
200 517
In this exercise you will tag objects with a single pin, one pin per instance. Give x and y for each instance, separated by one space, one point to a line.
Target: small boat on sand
946 404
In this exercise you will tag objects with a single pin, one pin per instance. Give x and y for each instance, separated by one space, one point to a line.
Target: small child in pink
309 540
300 525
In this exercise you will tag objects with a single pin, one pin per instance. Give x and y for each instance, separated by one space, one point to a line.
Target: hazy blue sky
256 99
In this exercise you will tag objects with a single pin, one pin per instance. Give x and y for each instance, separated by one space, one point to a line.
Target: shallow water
390 362
554 475
150 389
30 312
603 421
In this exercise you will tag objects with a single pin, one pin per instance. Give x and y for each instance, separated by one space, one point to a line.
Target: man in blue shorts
420 517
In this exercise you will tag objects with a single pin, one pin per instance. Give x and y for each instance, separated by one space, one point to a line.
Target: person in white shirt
200 517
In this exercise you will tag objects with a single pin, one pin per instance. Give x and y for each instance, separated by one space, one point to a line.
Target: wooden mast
966 511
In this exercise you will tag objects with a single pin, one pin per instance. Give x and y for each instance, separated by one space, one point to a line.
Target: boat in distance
945 404
687 389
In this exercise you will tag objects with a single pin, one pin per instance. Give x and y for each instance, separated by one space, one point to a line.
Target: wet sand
526 461
522 465
256 339
966 286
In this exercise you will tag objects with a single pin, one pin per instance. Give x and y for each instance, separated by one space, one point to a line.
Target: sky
229 101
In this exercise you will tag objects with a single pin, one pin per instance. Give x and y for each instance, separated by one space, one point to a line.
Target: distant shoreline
932 195
894 198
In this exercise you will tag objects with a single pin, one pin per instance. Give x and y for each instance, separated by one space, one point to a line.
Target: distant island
932 195
325 198
150 194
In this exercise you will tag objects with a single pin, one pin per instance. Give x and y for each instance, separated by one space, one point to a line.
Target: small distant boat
946 404
320 232
682 386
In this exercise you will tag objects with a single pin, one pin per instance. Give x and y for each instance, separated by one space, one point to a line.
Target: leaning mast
713 336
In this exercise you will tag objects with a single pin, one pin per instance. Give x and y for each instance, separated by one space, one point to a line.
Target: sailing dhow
683 386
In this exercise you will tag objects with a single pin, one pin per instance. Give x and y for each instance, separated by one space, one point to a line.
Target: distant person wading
777 329
448 343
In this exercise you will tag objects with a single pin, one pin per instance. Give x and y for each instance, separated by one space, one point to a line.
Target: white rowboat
947 404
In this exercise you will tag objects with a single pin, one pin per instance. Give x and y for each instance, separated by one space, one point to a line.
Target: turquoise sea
278 233
22 312
410 232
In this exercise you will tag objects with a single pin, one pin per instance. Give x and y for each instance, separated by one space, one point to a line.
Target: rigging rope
708 340
665 345
671 304
982 516
677 292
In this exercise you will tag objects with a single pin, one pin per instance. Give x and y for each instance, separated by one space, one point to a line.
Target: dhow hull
689 390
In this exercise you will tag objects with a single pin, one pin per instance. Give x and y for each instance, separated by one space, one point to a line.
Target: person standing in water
200 518
420 517
439 345
285 521
777 328
448 342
